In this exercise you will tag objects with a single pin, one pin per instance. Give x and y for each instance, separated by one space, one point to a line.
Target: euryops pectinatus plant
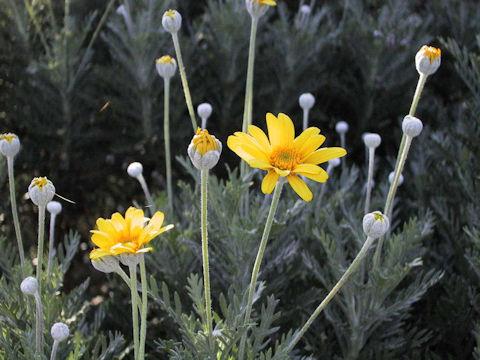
236 322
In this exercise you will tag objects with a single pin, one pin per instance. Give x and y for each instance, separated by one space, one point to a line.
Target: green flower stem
402 153
16 222
206 266
41 236
351 269
39 326
258 261
125 278
54 350
166 130
144 186
305 119
134 295
51 240
143 312
183 75
247 109
371 161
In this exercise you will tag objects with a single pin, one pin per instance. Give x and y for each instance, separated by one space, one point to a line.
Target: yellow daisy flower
283 155
120 235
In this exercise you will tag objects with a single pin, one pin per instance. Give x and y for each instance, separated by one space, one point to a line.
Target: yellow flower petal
299 186
260 136
307 168
259 164
98 253
321 177
305 135
286 129
325 154
269 181
274 129
312 144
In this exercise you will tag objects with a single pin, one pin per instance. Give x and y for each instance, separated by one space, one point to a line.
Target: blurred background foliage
79 87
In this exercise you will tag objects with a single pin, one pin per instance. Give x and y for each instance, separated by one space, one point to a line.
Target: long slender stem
248 107
51 240
41 236
144 186
258 262
16 222
398 166
391 194
134 295
39 325
143 313
371 161
351 269
206 266
166 130
183 75
54 350
305 119
126 279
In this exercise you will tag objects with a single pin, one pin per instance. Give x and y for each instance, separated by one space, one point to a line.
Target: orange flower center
284 158
203 142
431 52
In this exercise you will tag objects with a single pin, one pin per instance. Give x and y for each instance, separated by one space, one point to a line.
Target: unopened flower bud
341 127
9 145
305 9
372 140
54 207
130 259
375 224
204 110
41 191
334 162
135 169
29 286
257 8
204 150
306 101
427 60
166 66
106 264
172 21
59 331
392 175
412 126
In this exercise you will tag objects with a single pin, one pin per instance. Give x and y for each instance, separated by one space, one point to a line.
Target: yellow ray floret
127 234
283 154
203 142
165 59
265 2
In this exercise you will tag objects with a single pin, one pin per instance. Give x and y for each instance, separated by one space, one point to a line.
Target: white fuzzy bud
341 127
166 66
334 162
427 60
172 21
305 9
392 175
135 169
59 331
106 264
41 191
372 140
258 8
204 110
375 224
130 259
412 126
9 145
306 101
54 207
29 286
204 150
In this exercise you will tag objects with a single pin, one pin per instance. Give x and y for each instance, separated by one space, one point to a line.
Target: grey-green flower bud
375 224
412 126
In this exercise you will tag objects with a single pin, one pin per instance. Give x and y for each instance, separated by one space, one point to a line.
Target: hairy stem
134 296
16 222
51 240
144 186
143 323
166 130
371 161
41 236
39 326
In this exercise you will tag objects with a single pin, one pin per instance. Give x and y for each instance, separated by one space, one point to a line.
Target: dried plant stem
166 130
183 75
206 266
371 162
134 295
13 202
258 262
351 269
402 154
143 312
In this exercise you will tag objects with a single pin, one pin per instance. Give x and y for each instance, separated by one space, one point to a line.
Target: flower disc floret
284 155
126 235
